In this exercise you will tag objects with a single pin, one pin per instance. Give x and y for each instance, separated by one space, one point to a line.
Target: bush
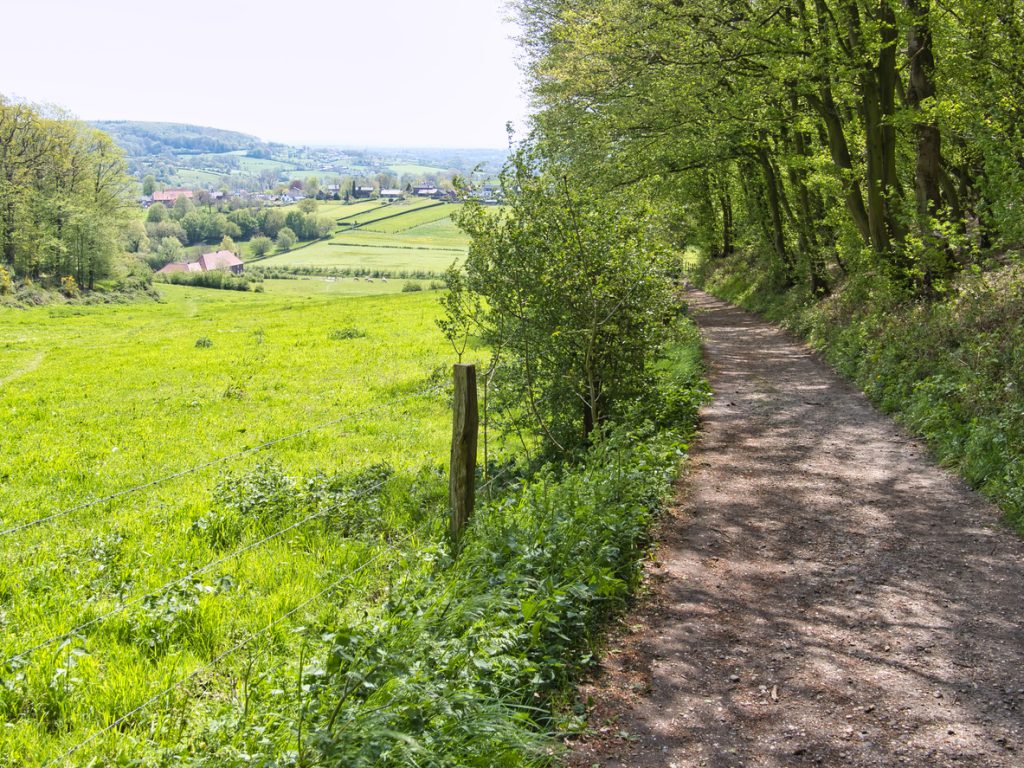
340 334
219 279
410 287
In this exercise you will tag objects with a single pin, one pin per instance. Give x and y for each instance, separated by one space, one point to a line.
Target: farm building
424 190
362 192
169 196
208 262
392 194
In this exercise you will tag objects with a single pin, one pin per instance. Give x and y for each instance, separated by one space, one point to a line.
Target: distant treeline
142 138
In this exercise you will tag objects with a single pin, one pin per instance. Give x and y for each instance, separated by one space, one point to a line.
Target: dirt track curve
824 594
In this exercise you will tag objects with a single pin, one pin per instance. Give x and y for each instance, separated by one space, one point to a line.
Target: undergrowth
433 659
951 369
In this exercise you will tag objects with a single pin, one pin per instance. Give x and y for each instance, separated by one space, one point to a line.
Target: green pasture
418 170
397 210
336 253
314 286
96 399
414 218
191 177
441 233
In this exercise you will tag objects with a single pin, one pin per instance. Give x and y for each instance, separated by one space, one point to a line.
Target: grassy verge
951 370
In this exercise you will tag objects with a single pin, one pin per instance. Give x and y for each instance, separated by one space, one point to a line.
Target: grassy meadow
99 399
411 236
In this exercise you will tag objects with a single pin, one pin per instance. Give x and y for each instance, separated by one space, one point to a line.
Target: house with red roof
170 196
208 262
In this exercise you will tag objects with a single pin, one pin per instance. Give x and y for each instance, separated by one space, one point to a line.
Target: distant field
419 170
253 165
336 254
188 177
441 233
341 210
337 209
396 210
412 219
310 287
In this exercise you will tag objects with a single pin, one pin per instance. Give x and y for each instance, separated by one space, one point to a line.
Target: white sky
427 73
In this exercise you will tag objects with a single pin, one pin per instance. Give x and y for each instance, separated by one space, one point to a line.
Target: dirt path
825 595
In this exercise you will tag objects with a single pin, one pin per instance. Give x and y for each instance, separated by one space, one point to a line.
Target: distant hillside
139 139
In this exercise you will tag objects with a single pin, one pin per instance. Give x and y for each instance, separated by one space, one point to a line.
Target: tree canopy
63 196
834 136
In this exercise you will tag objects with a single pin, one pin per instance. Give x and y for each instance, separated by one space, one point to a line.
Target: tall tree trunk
928 170
771 183
823 102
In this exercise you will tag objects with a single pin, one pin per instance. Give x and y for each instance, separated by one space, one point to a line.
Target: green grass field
395 210
418 170
441 233
335 253
101 398
190 177
419 216
314 286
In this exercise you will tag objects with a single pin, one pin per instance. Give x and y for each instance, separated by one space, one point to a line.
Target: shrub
340 334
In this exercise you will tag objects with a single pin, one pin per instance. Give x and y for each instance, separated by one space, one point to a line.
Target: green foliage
218 278
64 195
575 300
285 239
156 213
832 138
410 286
260 246
341 334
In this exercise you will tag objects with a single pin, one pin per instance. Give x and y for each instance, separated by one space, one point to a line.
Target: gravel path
824 593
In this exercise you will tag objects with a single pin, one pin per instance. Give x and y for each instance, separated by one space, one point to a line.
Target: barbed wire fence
326 509
213 462
249 638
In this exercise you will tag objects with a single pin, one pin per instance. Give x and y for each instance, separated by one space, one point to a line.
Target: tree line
63 197
834 136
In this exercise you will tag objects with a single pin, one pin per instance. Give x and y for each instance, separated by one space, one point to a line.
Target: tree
156 213
182 207
573 299
260 246
270 221
227 244
285 239
149 185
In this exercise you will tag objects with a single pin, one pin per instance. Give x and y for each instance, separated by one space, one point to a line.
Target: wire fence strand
233 649
188 576
213 462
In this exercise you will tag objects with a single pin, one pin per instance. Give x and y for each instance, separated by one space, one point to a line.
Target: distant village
487 194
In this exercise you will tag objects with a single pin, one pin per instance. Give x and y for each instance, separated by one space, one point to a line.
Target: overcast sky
438 73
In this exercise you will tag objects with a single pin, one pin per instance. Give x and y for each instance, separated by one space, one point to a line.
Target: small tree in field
261 246
575 300
286 239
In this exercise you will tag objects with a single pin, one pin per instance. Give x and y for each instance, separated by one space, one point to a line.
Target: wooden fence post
462 479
